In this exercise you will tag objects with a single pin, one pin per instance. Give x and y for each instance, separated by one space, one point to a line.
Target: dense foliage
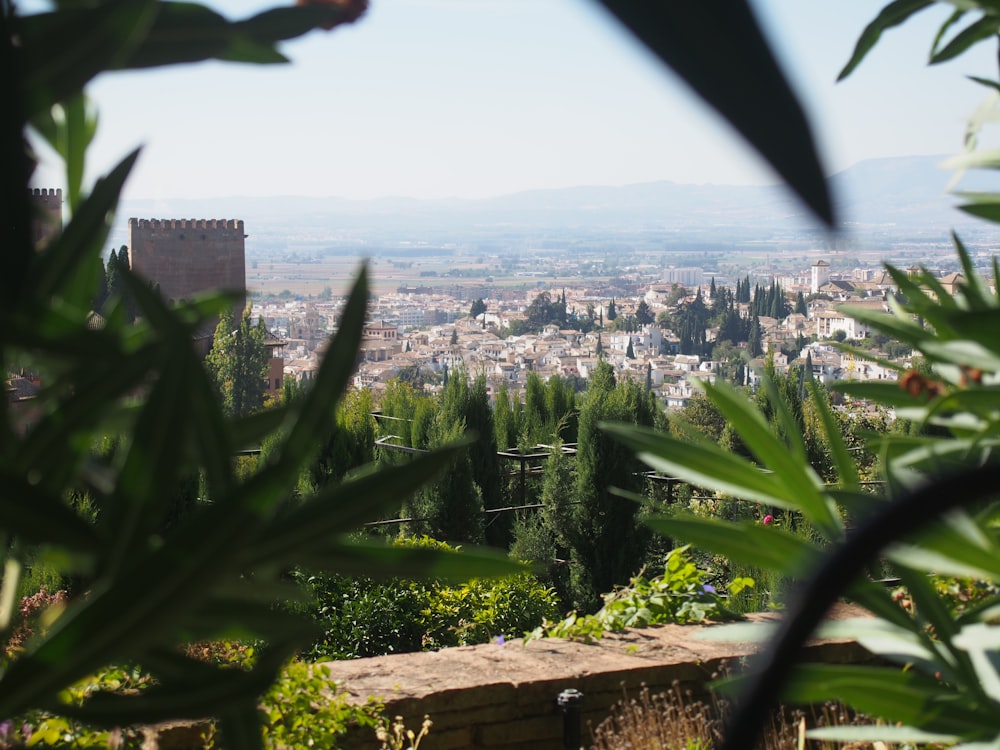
943 687
364 617
138 586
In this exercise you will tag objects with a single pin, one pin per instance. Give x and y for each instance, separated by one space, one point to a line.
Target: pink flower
768 519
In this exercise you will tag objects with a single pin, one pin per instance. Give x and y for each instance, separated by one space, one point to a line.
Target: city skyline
437 98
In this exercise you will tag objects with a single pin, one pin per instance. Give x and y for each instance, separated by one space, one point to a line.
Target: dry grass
675 720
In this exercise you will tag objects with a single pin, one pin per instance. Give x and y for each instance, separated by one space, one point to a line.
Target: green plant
946 693
140 592
140 588
679 595
304 708
360 616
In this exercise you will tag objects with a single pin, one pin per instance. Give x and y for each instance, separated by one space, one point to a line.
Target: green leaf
69 127
312 417
954 18
876 599
746 543
790 428
948 550
799 479
968 353
382 561
246 621
889 394
893 695
189 32
343 507
85 406
982 641
979 159
183 698
985 28
989 210
717 47
58 264
885 640
891 15
975 293
35 516
703 465
58 60
847 469
952 663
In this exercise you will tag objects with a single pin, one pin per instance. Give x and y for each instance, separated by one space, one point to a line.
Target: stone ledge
502 697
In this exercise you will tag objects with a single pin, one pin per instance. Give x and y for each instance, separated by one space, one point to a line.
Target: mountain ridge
875 195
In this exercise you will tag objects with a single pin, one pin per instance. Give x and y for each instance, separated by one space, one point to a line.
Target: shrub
362 616
302 710
679 595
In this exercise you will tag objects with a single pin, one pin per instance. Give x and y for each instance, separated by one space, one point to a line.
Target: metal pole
571 702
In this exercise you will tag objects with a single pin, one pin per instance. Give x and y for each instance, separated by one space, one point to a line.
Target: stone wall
504 696
188 256
47 220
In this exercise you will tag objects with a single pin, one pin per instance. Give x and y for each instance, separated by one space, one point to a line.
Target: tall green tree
755 346
506 418
541 537
800 304
349 445
477 308
643 314
238 363
451 507
606 538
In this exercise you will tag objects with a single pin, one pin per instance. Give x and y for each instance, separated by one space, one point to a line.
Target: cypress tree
754 346
238 363
608 544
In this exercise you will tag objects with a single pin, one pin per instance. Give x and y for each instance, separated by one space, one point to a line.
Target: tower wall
188 256
47 220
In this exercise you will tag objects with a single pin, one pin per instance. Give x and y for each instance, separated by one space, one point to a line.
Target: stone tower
185 257
47 220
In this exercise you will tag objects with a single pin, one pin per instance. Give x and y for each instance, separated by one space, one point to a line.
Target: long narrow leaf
84 235
891 15
703 465
382 561
718 49
314 416
847 469
799 479
344 507
747 543
985 28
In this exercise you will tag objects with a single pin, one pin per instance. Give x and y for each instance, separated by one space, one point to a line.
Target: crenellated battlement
47 209
186 257
46 193
186 223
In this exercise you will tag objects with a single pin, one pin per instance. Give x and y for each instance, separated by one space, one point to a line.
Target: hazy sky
475 98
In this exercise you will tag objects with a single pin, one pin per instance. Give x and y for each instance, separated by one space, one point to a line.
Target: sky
478 98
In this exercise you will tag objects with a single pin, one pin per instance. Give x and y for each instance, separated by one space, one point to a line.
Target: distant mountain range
890 197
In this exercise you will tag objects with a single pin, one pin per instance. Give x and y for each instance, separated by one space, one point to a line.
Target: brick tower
47 221
185 257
